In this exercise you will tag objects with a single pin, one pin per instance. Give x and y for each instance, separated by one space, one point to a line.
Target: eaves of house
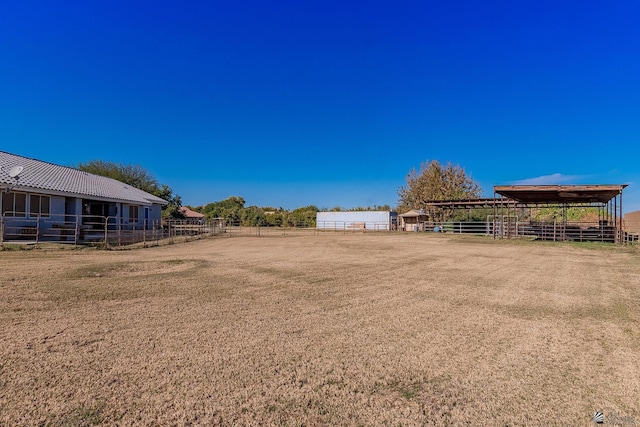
48 178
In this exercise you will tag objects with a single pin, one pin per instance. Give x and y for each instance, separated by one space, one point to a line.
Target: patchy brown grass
361 329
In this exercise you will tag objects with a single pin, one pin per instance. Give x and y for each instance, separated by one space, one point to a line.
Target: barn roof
49 178
539 194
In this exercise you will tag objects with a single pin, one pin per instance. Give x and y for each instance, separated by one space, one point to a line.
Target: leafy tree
138 177
253 216
275 218
229 209
233 210
572 213
304 216
435 182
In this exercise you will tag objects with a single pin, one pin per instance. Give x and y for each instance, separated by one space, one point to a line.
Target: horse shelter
540 212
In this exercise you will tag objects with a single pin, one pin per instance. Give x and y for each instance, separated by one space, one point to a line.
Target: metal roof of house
49 178
560 193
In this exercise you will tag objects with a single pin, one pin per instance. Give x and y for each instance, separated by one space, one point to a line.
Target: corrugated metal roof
560 193
47 177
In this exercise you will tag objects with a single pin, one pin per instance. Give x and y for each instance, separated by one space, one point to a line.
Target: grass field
332 329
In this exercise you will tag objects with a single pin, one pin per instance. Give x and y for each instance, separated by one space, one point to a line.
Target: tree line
233 210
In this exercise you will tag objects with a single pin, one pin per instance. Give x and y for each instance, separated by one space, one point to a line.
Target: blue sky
326 103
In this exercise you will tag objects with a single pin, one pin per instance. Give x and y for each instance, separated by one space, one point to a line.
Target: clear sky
331 103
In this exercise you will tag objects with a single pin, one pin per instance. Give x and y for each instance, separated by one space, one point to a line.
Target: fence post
106 228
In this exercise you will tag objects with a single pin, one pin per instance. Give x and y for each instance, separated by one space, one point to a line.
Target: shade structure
567 194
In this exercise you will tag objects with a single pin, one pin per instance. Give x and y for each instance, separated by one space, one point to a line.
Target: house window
14 204
133 213
39 206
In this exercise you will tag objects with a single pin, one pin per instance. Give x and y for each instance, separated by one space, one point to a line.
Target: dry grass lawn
331 329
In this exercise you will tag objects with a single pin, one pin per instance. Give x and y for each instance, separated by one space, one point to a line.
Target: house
357 220
190 216
62 203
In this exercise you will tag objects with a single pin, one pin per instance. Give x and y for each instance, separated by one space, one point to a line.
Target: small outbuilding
413 220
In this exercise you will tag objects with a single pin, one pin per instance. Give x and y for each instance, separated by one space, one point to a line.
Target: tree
138 177
303 217
253 216
230 209
435 182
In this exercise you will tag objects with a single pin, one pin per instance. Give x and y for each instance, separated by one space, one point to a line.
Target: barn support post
565 214
495 212
613 227
620 228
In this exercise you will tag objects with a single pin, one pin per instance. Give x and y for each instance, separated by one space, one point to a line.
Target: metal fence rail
111 232
16 227
510 227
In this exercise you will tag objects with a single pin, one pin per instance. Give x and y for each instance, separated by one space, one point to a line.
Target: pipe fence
16 227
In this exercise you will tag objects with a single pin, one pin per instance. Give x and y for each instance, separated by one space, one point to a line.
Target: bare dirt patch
360 329
136 268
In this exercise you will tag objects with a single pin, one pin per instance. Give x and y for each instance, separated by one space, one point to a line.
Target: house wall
57 206
56 211
73 206
154 217
360 220
155 214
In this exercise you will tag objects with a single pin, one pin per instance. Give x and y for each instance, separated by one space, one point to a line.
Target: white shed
357 220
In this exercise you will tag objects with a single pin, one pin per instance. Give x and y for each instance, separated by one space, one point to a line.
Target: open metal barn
560 212
541 212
